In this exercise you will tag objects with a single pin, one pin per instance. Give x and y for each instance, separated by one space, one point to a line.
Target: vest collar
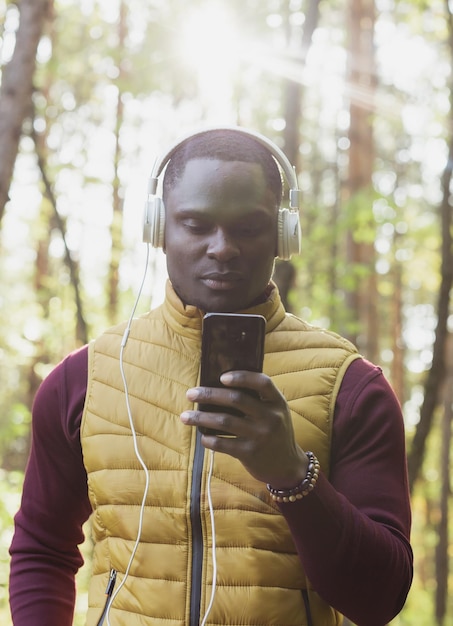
187 319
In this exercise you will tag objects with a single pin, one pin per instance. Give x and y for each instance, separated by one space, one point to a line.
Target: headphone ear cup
289 234
154 222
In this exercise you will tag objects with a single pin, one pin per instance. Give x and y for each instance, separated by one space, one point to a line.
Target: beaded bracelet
303 488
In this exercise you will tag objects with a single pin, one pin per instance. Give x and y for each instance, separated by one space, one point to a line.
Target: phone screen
230 341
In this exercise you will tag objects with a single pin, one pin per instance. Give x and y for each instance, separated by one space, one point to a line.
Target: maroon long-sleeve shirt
351 532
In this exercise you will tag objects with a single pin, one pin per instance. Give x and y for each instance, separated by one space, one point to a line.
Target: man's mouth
222 281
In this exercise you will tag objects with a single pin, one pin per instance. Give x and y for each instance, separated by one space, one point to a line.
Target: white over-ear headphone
289 234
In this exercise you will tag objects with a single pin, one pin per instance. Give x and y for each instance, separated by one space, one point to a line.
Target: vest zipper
197 535
108 593
307 607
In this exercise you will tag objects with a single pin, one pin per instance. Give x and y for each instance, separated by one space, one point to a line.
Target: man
300 516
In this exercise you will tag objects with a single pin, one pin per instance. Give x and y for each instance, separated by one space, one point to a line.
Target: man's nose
222 245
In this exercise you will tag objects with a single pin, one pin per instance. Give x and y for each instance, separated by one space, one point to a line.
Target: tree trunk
436 373
118 202
362 299
73 266
17 88
442 558
285 272
397 365
293 90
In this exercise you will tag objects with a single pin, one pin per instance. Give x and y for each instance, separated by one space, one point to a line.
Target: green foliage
10 487
18 430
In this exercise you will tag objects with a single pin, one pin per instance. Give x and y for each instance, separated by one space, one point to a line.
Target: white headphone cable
134 436
214 557
145 469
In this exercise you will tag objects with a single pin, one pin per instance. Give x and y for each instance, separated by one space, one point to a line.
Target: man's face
220 234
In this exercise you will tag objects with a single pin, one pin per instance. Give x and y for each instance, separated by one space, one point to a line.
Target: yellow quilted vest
259 575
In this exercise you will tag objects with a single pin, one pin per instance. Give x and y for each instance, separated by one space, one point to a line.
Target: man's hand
262 438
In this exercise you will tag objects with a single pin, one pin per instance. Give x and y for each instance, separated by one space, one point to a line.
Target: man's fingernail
192 394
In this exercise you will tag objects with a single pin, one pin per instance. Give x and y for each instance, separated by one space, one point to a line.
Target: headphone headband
275 151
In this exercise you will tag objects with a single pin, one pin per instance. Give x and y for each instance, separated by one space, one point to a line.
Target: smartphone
230 341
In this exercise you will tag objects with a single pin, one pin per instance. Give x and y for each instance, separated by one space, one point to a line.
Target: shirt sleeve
48 526
352 531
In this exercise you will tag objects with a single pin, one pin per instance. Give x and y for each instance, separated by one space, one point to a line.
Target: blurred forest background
357 93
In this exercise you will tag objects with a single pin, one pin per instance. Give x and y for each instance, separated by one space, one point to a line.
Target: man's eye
196 226
248 230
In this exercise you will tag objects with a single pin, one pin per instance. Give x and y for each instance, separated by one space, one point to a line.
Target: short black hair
225 145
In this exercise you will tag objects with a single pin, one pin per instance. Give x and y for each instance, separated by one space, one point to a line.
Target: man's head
224 145
222 191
